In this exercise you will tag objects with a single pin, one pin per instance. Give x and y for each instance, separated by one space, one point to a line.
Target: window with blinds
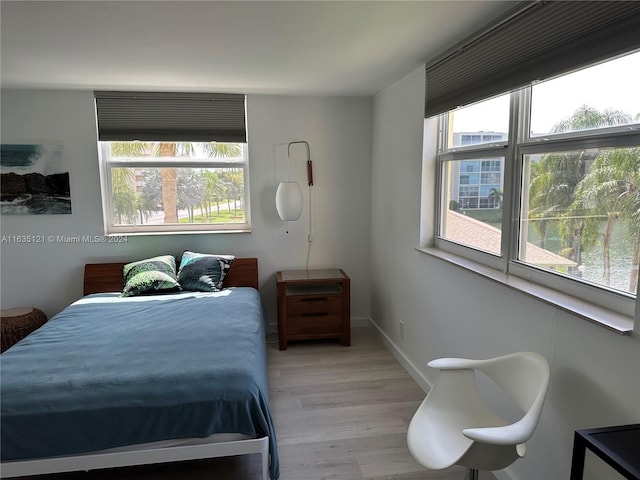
537 118
173 162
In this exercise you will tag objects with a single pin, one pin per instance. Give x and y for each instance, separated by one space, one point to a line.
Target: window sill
613 321
142 233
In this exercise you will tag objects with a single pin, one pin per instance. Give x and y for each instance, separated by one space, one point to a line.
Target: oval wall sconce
289 201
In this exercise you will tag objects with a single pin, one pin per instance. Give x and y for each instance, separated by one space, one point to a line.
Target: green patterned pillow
203 272
153 275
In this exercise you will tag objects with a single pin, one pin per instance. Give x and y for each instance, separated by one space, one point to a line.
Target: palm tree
191 190
555 179
586 117
551 191
222 150
630 208
123 182
169 183
213 192
236 187
612 188
128 149
169 175
495 195
126 202
124 195
169 192
541 211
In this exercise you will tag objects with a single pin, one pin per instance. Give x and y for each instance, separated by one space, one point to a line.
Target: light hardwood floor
340 413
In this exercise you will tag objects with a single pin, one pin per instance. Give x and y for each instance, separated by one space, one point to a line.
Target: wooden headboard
107 277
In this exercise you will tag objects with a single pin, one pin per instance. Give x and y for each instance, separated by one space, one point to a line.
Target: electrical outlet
401 330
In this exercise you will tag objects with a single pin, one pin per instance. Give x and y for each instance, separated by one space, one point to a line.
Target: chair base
471 474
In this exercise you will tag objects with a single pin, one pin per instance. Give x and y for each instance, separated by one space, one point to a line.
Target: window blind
533 41
170 117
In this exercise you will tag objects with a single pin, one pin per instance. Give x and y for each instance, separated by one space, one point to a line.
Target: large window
174 187
173 162
544 182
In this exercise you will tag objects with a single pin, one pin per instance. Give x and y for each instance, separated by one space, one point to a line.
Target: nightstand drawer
314 305
310 324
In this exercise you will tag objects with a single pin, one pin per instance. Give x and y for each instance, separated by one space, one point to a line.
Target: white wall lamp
289 195
289 201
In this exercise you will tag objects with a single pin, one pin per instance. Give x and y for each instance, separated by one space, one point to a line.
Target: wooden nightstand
314 304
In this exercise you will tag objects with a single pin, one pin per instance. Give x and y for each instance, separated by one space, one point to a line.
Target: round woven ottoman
17 323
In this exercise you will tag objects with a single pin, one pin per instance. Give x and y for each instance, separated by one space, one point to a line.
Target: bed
114 381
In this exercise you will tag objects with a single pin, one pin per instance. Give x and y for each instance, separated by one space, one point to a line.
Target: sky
609 85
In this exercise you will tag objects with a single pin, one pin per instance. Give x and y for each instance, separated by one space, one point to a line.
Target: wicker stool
17 323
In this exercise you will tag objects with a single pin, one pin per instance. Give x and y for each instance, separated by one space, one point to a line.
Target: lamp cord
310 234
310 182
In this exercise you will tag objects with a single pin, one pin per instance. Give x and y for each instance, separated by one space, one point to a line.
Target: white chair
453 426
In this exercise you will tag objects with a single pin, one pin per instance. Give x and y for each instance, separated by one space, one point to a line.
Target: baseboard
411 369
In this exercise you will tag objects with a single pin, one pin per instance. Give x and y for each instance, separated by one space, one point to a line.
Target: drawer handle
317 314
315 299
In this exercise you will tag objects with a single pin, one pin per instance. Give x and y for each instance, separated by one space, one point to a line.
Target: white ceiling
269 47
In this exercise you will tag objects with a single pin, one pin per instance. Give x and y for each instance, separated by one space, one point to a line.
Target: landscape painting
33 180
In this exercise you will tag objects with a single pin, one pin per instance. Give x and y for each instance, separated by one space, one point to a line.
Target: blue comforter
110 371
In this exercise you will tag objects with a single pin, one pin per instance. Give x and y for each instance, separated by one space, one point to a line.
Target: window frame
520 143
111 228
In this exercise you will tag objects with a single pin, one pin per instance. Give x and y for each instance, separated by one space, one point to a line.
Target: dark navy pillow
202 272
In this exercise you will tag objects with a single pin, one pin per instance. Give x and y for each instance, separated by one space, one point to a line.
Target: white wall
49 276
449 312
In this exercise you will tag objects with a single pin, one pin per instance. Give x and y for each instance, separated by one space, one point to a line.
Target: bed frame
107 277
95 461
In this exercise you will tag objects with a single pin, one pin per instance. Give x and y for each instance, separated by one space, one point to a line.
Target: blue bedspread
110 371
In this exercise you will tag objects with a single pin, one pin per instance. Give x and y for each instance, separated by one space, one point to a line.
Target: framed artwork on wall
33 181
